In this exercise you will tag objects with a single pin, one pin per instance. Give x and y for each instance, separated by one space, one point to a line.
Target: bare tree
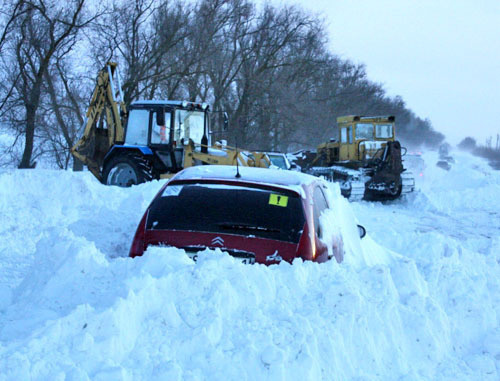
10 11
62 113
44 29
276 49
149 40
268 67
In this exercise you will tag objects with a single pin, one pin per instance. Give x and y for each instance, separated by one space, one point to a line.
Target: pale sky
441 56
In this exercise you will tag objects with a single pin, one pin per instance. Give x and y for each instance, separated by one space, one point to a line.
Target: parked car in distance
279 160
415 163
256 215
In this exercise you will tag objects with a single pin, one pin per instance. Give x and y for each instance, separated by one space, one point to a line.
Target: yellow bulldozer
150 139
366 159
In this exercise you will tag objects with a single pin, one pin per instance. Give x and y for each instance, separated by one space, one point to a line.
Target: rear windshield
228 209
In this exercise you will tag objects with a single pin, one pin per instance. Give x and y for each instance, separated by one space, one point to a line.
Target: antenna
237 162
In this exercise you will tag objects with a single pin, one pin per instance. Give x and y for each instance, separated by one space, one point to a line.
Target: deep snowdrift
418 298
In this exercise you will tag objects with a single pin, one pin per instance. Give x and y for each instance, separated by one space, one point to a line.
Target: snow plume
417 298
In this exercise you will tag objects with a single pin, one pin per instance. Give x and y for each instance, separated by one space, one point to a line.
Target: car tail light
139 242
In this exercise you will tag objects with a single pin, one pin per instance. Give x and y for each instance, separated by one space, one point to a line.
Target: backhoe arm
103 123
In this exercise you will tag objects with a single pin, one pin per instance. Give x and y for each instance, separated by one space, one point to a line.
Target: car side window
320 204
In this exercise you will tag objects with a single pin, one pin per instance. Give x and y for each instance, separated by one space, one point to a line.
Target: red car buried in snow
254 214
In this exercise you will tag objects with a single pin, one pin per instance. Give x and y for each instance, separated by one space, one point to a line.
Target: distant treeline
490 150
269 67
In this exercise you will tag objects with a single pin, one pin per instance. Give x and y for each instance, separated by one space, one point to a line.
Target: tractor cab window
343 135
189 125
364 131
349 134
383 130
160 134
137 127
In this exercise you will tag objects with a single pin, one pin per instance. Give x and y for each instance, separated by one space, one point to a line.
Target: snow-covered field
418 298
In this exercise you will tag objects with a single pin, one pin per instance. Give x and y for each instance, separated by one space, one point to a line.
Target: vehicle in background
256 215
279 160
302 159
151 139
445 159
415 163
365 159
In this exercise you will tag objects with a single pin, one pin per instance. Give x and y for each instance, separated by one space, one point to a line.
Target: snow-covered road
418 299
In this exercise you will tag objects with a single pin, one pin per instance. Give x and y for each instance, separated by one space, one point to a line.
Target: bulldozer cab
366 160
362 138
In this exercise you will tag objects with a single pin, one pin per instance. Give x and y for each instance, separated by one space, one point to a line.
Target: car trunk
247 249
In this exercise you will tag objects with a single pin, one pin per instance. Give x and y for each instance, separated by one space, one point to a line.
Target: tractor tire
127 169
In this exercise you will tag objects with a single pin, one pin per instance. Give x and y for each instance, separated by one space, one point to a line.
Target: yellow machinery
150 139
360 138
366 159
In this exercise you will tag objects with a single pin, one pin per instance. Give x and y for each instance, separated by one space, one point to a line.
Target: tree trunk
30 137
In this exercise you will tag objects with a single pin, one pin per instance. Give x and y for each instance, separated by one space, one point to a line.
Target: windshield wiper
226 225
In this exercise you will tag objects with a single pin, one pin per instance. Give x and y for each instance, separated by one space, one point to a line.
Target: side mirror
160 117
361 231
226 121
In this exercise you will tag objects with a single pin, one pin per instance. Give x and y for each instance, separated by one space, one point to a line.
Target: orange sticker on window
278 200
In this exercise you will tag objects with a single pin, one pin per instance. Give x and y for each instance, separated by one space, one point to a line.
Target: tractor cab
166 128
362 138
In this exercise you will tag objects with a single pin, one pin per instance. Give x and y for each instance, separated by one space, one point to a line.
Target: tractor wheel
127 169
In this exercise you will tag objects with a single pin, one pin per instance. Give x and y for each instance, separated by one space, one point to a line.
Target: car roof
276 153
292 180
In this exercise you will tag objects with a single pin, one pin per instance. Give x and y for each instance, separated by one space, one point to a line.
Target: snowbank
450 230
418 298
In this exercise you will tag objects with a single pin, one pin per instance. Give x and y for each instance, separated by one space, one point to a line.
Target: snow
417 298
